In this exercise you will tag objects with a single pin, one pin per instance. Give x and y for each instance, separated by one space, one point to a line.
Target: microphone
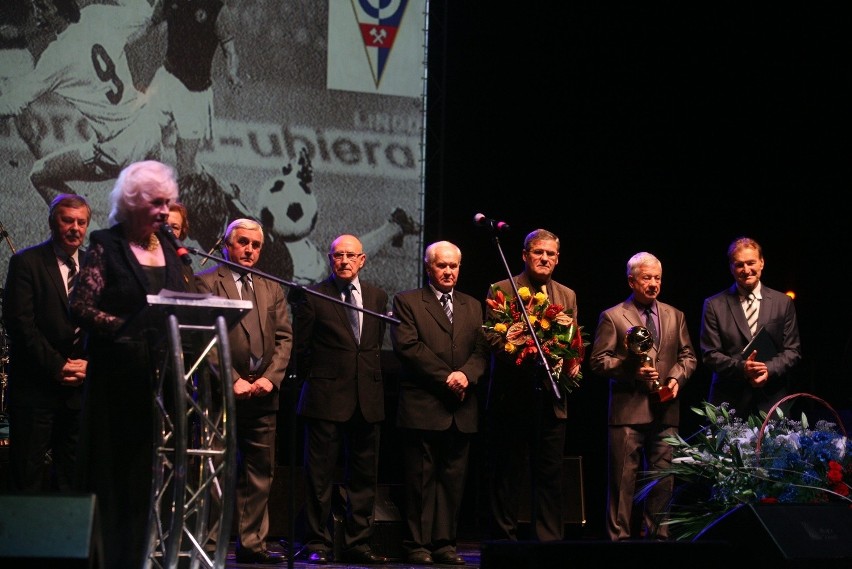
481 220
210 252
170 236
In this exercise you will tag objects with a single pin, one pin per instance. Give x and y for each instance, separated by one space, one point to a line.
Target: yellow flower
544 323
533 319
540 298
524 293
509 348
500 327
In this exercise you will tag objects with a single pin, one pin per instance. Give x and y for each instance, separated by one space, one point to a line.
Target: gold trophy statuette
639 343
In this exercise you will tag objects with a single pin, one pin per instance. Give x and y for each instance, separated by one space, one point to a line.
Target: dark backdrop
671 129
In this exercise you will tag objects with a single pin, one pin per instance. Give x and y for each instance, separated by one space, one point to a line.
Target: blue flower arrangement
767 459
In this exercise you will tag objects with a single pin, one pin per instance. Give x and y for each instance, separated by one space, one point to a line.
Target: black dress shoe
448 558
419 558
318 558
263 557
364 556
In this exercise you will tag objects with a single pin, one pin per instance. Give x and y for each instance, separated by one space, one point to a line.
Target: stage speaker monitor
60 529
573 497
387 522
788 531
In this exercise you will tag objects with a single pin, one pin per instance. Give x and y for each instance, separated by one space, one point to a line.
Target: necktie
652 328
252 319
72 273
751 312
446 301
72 279
352 314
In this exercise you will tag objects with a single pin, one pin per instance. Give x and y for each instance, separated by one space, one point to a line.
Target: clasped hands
245 389
73 372
457 383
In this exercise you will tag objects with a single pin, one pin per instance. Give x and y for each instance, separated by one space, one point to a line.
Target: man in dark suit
442 362
342 400
749 382
640 416
524 416
258 370
47 365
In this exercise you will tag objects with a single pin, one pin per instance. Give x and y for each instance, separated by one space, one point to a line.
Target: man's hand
261 387
242 389
73 372
756 372
457 383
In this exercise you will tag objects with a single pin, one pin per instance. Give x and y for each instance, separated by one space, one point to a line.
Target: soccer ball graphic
288 206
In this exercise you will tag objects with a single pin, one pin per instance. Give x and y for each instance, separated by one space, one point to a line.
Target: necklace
150 245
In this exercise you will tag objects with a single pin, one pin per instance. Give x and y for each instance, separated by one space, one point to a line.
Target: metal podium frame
194 429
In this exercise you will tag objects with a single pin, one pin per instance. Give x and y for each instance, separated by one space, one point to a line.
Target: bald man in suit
342 401
639 417
442 363
256 377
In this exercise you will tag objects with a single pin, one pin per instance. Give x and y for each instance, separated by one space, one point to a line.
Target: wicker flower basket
783 400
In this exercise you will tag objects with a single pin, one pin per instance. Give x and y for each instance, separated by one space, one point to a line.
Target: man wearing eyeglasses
338 358
523 416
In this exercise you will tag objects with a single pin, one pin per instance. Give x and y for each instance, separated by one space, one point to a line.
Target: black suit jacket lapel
51 265
434 308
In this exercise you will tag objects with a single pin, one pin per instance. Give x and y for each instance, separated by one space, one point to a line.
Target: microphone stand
291 554
5 234
290 284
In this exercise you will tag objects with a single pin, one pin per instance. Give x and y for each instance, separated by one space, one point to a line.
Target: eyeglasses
542 253
348 256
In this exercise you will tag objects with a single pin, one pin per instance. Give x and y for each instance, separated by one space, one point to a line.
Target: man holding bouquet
521 390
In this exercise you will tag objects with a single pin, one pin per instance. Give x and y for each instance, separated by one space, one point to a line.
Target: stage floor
469 551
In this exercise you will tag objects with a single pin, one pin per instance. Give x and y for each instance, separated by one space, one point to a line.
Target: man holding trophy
643 346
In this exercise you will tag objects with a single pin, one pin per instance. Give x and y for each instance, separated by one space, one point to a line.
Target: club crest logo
379 21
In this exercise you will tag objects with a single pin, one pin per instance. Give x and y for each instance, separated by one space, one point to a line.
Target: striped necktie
447 302
77 343
751 310
72 273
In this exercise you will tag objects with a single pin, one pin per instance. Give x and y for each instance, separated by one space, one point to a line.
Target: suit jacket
41 333
429 348
339 374
629 403
511 386
725 332
274 325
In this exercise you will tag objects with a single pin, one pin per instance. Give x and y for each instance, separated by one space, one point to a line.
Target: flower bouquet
560 338
770 459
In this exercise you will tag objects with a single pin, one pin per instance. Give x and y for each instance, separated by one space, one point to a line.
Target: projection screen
324 135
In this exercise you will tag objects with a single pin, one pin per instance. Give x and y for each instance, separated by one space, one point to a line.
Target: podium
194 474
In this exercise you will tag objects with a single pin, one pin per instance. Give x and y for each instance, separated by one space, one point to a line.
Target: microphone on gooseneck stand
170 236
482 221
